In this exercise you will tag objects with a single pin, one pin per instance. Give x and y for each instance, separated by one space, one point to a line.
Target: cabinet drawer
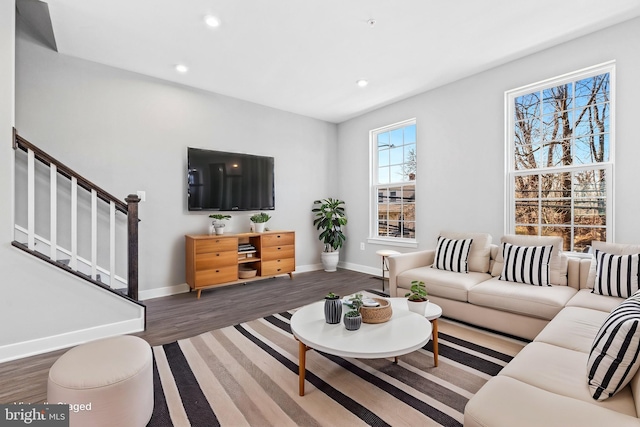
216 275
278 239
208 261
277 252
278 266
216 245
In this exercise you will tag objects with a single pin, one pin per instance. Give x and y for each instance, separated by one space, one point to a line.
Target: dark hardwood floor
183 316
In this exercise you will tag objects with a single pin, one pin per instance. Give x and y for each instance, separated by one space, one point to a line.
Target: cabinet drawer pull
217 254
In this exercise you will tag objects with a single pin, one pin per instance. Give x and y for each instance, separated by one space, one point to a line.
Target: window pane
564 232
383 175
556 211
527 157
592 90
396 137
396 173
409 230
383 157
590 183
528 132
557 98
410 134
583 236
383 140
395 155
594 120
590 212
526 186
527 212
557 153
592 149
527 106
527 230
556 185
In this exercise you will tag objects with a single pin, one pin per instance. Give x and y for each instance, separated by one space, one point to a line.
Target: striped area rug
247 375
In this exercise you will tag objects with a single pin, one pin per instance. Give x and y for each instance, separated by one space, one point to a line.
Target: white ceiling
305 56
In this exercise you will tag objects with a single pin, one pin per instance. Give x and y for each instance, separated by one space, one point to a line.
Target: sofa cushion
505 401
526 264
445 284
479 254
614 360
561 371
573 328
557 263
535 301
610 248
452 254
616 275
587 299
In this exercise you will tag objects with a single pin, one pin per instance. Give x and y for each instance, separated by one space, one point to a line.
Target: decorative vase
419 307
352 323
330 260
332 310
258 227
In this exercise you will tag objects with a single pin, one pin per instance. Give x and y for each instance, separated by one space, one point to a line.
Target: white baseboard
163 292
68 339
360 268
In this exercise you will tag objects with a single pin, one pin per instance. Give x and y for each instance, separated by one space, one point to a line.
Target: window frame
608 166
374 185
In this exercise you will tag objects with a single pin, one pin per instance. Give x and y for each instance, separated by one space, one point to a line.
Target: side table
384 253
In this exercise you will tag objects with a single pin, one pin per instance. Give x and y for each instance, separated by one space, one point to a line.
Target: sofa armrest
407 261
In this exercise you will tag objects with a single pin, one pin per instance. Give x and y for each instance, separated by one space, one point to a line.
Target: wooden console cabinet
215 260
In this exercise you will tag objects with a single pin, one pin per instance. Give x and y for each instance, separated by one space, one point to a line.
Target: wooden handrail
24 145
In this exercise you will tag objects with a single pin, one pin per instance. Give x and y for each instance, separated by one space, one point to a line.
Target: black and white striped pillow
613 360
452 254
526 264
616 275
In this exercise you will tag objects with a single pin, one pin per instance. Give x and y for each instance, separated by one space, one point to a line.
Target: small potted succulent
218 224
353 319
259 221
332 308
417 299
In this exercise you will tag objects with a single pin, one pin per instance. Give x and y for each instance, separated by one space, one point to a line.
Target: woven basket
378 314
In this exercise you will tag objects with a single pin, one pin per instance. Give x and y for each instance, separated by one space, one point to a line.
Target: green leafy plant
331 295
330 217
418 291
220 217
354 304
260 217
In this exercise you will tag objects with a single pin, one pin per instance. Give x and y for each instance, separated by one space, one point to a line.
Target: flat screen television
223 181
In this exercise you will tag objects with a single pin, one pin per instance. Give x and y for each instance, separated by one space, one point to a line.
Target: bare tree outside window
561 144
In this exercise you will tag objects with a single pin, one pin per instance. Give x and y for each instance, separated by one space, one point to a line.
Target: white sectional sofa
546 383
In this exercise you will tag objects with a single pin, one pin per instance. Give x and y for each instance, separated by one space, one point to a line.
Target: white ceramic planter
419 307
330 260
258 227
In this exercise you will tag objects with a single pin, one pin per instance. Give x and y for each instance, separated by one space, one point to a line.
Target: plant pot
330 260
219 230
332 310
419 307
258 227
352 323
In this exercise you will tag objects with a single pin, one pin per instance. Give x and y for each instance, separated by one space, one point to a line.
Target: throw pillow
452 254
526 264
613 360
616 275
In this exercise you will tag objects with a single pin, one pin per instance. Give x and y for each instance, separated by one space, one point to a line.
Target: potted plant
330 217
332 308
417 299
352 318
218 224
259 221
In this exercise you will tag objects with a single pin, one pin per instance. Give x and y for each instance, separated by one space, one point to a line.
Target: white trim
163 292
390 241
68 339
73 263
112 242
94 233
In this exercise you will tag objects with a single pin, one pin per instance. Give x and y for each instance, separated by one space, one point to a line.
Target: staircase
66 220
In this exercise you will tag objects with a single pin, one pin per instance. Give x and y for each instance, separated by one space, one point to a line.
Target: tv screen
222 181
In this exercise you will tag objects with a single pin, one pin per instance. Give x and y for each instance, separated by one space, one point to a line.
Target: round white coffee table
404 333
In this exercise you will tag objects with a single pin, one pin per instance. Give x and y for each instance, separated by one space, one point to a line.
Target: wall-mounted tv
223 181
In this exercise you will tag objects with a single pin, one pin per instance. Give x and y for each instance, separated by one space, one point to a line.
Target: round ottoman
108 382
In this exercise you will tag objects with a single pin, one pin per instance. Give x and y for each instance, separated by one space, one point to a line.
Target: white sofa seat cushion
505 401
535 301
587 299
562 371
441 283
574 328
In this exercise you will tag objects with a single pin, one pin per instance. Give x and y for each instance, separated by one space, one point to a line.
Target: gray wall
128 132
461 133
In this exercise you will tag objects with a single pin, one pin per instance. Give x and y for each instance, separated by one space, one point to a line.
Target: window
393 182
560 158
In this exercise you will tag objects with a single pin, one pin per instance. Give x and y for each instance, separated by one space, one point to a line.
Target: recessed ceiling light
362 82
181 68
212 21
